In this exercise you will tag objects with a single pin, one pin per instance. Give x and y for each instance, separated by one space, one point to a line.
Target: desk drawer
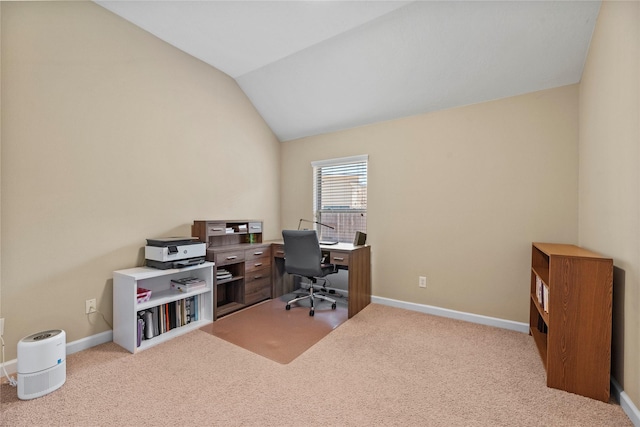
258 275
255 227
228 257
278 250
216 228
257 286
339 258
257 253
257 264
257 258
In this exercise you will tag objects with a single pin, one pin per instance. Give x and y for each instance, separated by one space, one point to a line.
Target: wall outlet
422 281
1 326
90 306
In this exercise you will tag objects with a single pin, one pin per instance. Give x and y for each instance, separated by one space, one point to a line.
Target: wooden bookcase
570 321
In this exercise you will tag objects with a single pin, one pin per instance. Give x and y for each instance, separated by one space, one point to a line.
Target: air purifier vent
41 383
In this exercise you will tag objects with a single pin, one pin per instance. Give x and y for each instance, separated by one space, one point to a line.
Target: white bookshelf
126 306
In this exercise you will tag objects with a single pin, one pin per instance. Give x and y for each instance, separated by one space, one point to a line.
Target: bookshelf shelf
145 344
233 279
126 306
168 295
573 333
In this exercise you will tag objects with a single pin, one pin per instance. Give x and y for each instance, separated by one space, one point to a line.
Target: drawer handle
338 258
256 227
217 229
258 253
280 252
232 257
257 277
257 264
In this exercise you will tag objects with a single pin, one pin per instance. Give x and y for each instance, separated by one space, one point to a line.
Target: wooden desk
357 259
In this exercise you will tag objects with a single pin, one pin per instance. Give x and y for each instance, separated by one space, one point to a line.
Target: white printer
174 252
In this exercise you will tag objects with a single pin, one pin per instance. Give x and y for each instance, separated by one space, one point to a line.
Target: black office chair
303 257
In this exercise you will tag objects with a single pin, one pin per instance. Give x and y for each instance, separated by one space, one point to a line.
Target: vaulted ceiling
313 67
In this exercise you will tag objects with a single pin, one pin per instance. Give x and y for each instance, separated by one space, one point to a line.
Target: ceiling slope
313 67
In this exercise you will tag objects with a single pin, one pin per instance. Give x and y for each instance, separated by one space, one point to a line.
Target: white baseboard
626 404
88 342
453 314
72 347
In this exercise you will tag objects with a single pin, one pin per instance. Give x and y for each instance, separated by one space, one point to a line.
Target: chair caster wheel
288 307
333 306
311 312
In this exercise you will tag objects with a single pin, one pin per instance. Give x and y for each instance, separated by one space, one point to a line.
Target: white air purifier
42 363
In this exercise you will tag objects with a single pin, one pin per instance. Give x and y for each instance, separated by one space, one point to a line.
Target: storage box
144 295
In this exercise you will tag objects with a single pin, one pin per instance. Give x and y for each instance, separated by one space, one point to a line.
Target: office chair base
312 311
311 296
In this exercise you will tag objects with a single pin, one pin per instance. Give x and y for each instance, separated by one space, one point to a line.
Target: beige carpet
281 335
383 367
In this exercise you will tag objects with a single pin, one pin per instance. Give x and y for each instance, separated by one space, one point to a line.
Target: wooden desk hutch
242 270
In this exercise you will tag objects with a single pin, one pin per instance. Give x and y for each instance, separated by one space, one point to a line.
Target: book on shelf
187 284
542 327
542 294
140 331
155 311
187 312
222 274
188 281
187 288
158 320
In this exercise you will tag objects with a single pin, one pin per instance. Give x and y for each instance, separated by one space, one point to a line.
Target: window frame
341 235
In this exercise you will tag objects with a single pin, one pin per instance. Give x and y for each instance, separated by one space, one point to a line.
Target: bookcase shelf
571 323
233 279
167 296
126 307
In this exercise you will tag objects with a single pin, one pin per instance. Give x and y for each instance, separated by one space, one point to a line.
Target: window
340 197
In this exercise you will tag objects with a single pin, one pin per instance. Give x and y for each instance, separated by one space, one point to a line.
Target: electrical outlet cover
90 306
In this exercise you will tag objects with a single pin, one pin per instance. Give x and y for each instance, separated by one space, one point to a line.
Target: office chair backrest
302 254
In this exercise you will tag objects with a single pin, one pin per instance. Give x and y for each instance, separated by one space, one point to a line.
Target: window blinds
340 197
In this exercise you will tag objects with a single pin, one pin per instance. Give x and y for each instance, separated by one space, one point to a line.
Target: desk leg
359 280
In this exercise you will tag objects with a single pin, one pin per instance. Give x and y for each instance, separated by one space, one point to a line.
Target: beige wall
109 137
609 173
457 196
